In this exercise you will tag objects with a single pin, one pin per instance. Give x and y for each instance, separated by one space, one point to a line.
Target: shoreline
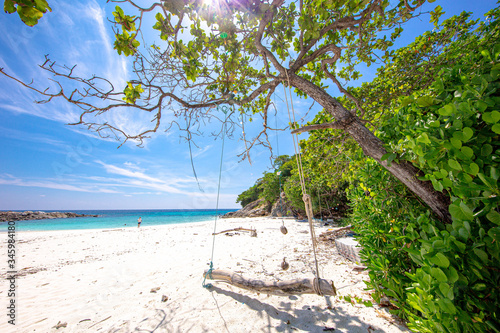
150 278
122 228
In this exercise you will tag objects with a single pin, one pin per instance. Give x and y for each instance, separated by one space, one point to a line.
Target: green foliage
126 43
29 11
249 195
382 211
126 21
441 277
132 93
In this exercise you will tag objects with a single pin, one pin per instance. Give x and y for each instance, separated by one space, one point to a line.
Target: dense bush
441 277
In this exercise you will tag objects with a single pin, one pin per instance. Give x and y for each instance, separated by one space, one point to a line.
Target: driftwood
281 288
252 231
331 235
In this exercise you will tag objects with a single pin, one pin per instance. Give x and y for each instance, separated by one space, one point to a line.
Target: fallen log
280 288
252 231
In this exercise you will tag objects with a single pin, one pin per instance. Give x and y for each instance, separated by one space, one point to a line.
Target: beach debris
385 301
81 321
284 265
23 272
331 234
41 320
328 329
164 298
154 290
283 230
100 321
59 325
253 232
359 268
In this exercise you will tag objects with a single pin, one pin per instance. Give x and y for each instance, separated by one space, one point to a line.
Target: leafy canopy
29 11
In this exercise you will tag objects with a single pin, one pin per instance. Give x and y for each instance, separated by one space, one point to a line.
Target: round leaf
467 133
454 164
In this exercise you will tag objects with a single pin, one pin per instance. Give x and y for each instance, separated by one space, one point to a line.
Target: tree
237 54
250 195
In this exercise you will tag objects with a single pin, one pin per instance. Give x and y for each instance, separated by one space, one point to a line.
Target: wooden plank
280 288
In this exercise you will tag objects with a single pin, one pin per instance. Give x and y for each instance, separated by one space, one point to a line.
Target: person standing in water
139 221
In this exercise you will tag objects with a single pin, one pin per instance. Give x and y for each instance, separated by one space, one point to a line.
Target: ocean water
110 219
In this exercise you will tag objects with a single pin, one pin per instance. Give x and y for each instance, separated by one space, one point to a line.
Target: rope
305 197
209 273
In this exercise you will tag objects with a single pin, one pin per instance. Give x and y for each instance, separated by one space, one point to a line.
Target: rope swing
305 197
282 288
210 270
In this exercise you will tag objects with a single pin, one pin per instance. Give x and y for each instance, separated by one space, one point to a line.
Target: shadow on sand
308 319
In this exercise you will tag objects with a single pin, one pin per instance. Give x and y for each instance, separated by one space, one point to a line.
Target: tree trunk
373 147
280 288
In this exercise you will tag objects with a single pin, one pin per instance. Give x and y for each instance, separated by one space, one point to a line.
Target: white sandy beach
101 281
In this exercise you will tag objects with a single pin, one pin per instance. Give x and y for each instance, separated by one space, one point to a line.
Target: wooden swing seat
280 288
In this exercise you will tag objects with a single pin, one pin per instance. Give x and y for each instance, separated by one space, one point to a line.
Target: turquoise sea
109 219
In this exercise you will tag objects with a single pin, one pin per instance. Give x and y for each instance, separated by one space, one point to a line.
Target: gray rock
29 215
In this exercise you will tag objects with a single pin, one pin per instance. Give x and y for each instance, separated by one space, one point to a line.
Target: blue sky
48 165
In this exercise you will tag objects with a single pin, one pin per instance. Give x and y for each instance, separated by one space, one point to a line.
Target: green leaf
8 7
493 216
368 303
496 128
447 110
446 290
452 274
425 101
440 260
486 180
466 211
494 233
438 274
473 168
467 133
464 233
424 138
438 186
454 164
447 306
456 143
479 286
468 152
491 117
460 245
482 255
486 150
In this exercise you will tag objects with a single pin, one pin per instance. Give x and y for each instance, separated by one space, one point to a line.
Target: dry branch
252 231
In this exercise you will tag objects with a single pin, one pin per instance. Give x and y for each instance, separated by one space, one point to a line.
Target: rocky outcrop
29 215
256 208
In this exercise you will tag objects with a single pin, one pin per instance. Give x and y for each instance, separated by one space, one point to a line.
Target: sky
46 164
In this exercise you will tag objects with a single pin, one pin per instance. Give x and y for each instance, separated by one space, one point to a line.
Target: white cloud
52 185
116 65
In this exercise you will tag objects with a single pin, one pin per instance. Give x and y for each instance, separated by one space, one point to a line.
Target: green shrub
442 277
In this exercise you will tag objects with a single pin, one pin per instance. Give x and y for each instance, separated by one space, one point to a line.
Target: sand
150 280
